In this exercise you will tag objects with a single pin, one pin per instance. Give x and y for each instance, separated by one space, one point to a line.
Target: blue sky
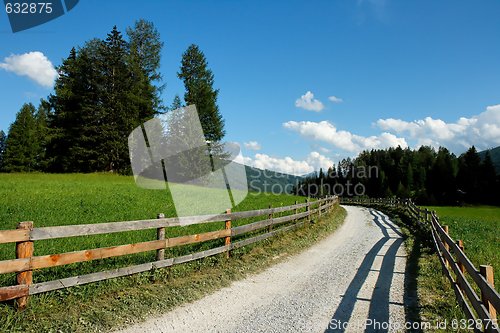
407 72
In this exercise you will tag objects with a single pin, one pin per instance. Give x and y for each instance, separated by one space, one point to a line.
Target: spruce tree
22 145
198 81
144 59
176 104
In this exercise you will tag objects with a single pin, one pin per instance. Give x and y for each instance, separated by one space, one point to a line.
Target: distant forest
105 89
425 175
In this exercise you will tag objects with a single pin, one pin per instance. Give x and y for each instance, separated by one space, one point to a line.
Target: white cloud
309 103
482 130
335 99
252 145
317 161
314 161
34 65
346 141
285 165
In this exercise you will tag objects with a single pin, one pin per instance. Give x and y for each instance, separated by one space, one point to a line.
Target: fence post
446 246
319 208
296 211
270 217
160 235
426 217
460 245
308 211
227 241
487 272
24 250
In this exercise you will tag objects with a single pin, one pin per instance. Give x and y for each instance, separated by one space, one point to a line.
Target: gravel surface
352 281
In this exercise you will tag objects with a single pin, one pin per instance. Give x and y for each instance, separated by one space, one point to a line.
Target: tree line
104 90
425 175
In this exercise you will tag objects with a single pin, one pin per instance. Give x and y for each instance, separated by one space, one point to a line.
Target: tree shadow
380 300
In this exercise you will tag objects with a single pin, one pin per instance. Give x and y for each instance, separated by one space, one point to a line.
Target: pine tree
176 104
198 81
144 56
22 145
41 119
3 137
468 175
119 117
488 180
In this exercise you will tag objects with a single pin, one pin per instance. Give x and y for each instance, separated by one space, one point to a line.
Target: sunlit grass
68 199
479 229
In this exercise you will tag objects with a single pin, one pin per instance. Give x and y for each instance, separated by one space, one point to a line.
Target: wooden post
461 267
270 217
460 245
308 211
446 246
24 250
487 272
228 238
160 235
319 208
426 216
296 211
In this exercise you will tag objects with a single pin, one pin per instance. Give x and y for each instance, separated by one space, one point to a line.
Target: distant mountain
270 181
495 157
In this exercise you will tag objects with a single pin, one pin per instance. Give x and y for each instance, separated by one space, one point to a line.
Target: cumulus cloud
482 130
252 145
325 131
335 99
314 161
309 103
34 65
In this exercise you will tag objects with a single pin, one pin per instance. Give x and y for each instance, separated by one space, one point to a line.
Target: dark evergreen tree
468 175
144 59
176 104
22 145
199 80
41 120
488 181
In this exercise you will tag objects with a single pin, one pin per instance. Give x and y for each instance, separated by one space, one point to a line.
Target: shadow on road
380 299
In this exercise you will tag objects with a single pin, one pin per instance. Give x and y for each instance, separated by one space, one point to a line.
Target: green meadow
479 228
68 199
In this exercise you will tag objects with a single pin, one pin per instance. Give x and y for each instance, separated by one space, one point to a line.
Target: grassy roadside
432 300
478 227
110 304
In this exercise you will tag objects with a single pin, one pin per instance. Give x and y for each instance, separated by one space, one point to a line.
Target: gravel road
352 281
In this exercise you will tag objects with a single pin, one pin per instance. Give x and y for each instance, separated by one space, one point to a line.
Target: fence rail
464 277
26 234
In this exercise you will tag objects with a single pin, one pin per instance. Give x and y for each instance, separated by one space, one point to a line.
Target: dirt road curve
353 277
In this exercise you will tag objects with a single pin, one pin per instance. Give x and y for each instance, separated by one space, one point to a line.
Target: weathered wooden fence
26 235
464 277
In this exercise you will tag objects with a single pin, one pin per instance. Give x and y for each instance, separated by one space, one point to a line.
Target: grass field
479 229
50 200
53 200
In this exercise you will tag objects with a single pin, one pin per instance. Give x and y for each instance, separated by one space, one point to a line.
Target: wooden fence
464 277
26 235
